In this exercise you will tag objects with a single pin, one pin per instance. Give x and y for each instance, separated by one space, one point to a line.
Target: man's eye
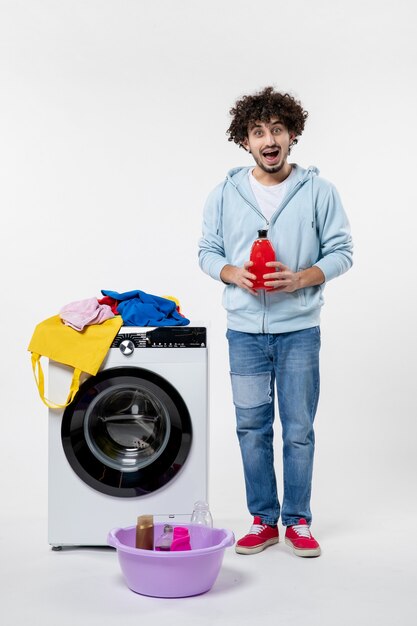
276 130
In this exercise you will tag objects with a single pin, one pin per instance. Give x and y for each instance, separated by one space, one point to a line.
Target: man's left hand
283 279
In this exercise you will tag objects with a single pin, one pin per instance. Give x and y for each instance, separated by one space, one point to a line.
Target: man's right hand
239 276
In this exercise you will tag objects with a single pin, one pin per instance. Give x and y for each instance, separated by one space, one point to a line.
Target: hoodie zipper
263 293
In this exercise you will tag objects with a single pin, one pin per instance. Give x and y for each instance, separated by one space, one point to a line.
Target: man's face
269 144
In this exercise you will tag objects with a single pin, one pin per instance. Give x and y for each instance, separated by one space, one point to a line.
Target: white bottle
201 514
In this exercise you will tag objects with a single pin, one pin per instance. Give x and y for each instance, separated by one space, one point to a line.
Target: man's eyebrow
259 125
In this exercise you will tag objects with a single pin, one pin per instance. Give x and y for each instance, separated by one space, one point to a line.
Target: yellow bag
83 350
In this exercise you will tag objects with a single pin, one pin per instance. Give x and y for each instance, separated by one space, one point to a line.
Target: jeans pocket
251 390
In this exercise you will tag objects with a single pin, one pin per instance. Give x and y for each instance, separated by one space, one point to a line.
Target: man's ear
245 144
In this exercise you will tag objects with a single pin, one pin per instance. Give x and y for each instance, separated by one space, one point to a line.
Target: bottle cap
201 504
262 234
145 521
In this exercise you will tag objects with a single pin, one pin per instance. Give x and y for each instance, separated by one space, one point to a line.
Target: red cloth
111 302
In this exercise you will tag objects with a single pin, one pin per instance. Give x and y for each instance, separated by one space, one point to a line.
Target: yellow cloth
84 351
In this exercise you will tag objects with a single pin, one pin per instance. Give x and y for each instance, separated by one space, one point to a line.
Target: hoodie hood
238 178
237 174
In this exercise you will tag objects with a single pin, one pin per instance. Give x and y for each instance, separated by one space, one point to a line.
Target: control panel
164 337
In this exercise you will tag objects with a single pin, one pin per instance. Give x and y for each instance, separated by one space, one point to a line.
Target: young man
274 335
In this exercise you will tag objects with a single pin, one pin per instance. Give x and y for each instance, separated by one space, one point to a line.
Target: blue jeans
256 362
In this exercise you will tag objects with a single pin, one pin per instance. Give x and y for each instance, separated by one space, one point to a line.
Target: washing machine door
127 433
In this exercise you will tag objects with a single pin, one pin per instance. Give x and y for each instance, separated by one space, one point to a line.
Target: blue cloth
258 364
138 308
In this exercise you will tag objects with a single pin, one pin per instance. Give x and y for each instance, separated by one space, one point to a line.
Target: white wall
112 133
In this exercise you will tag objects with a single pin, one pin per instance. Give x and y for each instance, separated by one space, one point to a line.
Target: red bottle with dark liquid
261 252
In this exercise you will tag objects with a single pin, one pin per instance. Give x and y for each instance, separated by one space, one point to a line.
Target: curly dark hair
262 107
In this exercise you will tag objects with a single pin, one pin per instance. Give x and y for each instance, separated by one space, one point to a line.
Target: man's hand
286 280
239 276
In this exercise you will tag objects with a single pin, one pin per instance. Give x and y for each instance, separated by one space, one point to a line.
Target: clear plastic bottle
164 542
201 514
261 252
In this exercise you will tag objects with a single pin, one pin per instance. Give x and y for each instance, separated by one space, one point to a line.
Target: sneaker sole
255 549
306 553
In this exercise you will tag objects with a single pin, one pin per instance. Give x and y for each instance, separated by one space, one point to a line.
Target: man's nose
269 138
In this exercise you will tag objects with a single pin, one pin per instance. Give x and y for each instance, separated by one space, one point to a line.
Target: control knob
127 347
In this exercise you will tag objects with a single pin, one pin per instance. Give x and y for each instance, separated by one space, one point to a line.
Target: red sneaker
258 538
301 539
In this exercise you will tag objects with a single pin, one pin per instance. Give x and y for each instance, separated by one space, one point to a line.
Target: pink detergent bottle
261 252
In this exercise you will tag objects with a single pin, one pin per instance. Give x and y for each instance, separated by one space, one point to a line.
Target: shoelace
302 530
256 529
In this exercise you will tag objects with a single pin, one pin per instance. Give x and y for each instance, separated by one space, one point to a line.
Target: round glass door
127 433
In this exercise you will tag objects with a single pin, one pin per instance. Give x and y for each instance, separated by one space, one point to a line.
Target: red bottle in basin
261 252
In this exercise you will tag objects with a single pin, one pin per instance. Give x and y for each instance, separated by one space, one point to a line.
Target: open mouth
270 155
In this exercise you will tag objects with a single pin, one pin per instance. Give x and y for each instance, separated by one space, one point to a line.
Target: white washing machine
134 440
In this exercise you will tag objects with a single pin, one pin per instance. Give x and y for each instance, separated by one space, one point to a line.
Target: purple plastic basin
172 574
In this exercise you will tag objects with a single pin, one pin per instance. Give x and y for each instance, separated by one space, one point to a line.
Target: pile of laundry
136 308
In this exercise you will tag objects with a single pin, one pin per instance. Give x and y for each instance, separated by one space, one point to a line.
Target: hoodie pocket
302 297
310 296
235 298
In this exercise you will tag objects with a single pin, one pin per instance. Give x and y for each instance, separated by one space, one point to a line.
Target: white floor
366 575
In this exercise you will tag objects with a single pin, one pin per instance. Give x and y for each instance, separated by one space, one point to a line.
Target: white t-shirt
269 197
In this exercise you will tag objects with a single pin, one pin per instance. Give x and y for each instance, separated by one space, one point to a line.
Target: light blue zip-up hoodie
309 227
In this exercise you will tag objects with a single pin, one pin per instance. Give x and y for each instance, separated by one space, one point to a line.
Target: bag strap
40 383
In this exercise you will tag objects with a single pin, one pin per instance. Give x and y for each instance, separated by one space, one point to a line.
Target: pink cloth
83 313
